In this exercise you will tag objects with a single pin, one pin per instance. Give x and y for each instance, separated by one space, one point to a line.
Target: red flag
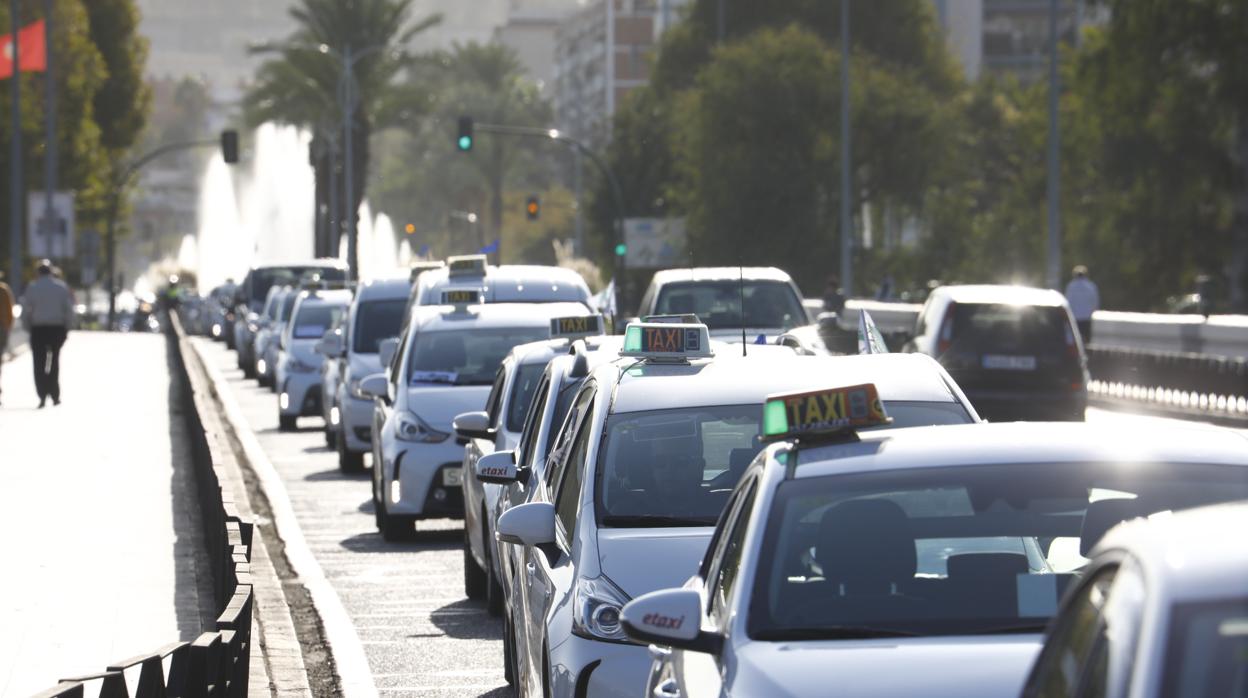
32 48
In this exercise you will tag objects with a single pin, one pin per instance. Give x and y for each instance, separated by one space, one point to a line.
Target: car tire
509 655
475 579
331 438
286 422
348 462
493 590
395 529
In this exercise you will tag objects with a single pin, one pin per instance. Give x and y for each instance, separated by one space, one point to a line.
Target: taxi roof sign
823 412
576 326
461 296
686 319
667 341
466 265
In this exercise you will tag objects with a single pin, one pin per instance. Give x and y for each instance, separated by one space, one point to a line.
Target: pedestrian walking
1084 299
47 310
6 316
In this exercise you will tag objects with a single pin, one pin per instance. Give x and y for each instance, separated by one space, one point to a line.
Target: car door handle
532 572
666 689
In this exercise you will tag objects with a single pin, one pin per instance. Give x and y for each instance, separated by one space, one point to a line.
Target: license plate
452 477
1009 363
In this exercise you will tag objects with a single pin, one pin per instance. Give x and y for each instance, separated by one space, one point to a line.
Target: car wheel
493 590
348 462
509 654
331 437
286 422
474 577
394 528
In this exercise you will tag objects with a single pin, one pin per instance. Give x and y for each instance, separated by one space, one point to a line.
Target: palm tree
301 86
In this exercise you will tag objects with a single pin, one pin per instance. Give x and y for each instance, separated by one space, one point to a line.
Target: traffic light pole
114 201
613 184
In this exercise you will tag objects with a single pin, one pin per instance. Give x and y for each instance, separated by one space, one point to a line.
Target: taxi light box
823 411
577 326
666 341
461 297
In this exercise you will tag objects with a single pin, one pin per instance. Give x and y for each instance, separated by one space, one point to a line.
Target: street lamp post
1053 272
847 220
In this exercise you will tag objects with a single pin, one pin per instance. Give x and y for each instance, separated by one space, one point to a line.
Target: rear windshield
264 279
375 321
999 326
676 467
768 304
314 321
465 357
527 378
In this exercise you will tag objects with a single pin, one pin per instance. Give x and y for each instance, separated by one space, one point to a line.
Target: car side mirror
330 345
530 525
669 617
387 349
473 425
375 386
498 468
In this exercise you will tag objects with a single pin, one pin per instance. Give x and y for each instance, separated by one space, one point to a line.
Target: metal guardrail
216 664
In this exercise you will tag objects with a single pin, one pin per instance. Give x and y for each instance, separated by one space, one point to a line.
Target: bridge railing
216 664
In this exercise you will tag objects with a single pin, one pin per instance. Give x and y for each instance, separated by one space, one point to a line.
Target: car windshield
264 279
465 357
313 321
938 551
676 467
273 306
375 321
1002 327
768 304
1207 656
527 378
287 305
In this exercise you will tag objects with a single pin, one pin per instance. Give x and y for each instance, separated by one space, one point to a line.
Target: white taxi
497 430
646 459
908 562
442 366
298 374
758 303
1162 610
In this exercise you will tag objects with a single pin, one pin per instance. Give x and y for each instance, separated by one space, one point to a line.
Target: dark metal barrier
1206 386
216 663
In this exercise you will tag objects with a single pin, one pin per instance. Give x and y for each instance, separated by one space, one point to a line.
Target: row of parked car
709 502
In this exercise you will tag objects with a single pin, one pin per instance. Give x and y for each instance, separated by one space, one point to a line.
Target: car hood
937 667
641 560
733 336
439 405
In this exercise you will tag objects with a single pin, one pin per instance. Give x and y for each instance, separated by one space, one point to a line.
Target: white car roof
730 379
511 283
427 318
397 288
1188 555
543 351
321 262
1023 443
1014 295
667 276
326 297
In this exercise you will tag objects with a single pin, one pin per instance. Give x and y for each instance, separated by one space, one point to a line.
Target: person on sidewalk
6 316
1084 299
47 310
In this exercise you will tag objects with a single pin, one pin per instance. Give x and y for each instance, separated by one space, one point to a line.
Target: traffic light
621 250
464 142
532 208
410 228
229 146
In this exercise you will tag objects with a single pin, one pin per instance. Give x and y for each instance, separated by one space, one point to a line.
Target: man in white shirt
1084 299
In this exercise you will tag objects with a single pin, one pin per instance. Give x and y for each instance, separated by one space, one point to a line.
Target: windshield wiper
652 521
1020 629
831 632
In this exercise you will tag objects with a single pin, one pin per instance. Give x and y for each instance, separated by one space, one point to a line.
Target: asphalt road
421 636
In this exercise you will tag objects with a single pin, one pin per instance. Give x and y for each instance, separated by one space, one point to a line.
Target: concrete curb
354 674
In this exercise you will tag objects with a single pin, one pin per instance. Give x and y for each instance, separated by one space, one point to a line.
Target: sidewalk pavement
103 550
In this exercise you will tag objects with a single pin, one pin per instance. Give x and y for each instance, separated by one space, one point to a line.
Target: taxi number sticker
674 340
855 406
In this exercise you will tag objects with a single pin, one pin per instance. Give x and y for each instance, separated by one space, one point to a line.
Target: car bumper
1005 406
300 395
583 667
422 489
356 418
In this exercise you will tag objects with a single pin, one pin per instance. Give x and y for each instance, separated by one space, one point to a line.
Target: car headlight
410 427
353 388
597 605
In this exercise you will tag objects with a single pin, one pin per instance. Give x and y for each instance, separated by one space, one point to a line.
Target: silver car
650 450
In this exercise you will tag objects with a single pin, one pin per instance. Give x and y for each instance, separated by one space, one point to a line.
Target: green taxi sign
823 411
576 326
667 341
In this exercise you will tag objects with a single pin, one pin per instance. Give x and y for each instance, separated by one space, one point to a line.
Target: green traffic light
465 142
621 249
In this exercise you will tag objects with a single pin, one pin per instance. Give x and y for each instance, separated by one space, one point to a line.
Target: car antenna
741 307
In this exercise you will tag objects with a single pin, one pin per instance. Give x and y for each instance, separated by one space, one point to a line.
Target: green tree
121 105
301 85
